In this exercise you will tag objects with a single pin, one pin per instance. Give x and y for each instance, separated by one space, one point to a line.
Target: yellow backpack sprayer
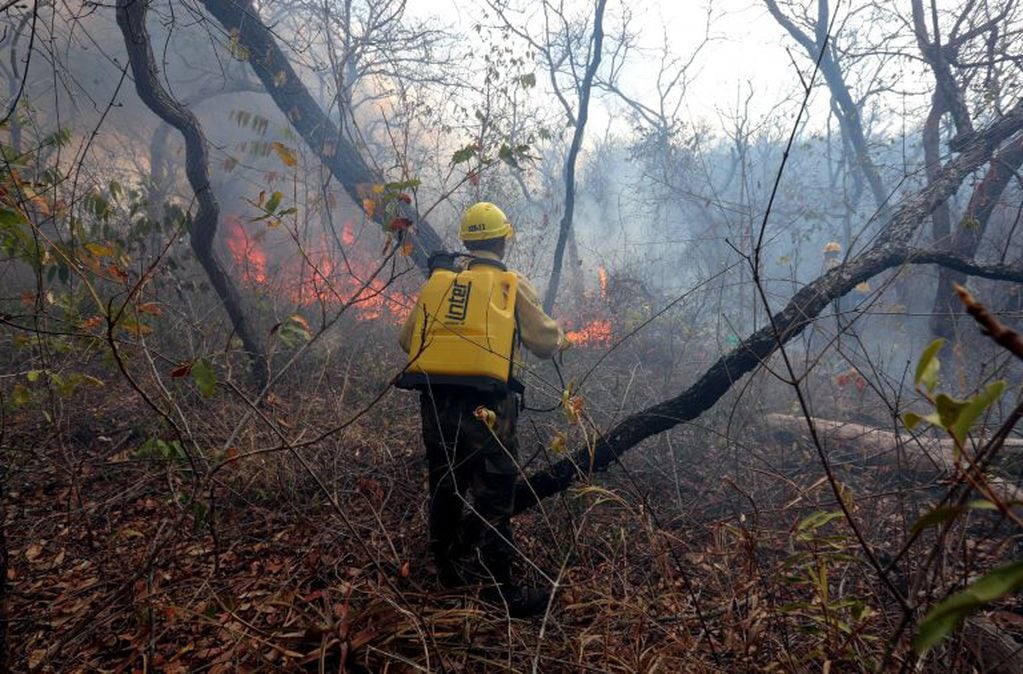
465 332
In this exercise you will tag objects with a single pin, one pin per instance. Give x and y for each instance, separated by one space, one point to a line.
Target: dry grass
694 556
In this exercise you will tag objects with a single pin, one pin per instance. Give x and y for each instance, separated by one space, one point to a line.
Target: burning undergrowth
320 271
326 272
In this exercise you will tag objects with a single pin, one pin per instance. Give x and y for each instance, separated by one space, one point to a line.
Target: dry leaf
33 551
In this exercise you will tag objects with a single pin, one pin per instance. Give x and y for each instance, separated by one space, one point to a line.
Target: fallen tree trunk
890 249
929 452
920 454
341 157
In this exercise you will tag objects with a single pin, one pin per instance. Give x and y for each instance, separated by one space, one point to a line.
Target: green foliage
249 120
927 367
941 514
955 416
465 154
235 48
815 568
943 618
272 213
293 331
20 395
154 448
205 377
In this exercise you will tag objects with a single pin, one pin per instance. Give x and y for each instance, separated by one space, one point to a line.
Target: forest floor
699 553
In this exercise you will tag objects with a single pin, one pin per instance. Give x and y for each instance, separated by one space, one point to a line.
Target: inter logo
458 301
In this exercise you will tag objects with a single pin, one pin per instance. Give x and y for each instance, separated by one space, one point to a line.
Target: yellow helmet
833 247
484 221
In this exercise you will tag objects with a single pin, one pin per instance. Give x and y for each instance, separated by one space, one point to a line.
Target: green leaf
273 202
10 218
974 407
507 155
294 331
815 521
20 395
911 419
944 617
948 409
465 154
935 517
527 81
205 377
33 375
927 367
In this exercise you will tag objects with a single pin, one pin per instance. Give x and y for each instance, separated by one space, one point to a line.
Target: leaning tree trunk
321 135
573 155
131 18
965 240
890 249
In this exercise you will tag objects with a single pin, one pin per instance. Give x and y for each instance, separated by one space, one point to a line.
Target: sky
746 47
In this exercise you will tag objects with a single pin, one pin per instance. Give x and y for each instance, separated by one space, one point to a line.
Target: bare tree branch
890 249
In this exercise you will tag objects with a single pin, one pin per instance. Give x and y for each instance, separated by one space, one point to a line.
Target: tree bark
890 249
965 240
4 664
131 18
573 155
341 157
922 454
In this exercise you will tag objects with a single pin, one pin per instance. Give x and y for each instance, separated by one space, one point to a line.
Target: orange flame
318 277
348 234
597 331
594 333
246 252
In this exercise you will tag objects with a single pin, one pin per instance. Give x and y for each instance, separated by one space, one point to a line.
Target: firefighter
462 339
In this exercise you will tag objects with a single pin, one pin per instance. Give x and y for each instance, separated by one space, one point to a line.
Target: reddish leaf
151 308
118 273
399 224
182 370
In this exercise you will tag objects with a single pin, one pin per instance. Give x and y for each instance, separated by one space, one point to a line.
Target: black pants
472 483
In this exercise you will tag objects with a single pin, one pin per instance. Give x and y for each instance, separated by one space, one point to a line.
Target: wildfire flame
598 331
246 253
348 234
321 276
594 333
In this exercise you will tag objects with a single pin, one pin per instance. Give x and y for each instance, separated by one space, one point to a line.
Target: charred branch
891 249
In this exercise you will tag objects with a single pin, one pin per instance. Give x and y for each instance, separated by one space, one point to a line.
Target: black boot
522 602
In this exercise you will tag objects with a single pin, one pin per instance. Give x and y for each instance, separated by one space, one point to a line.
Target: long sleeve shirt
539 333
